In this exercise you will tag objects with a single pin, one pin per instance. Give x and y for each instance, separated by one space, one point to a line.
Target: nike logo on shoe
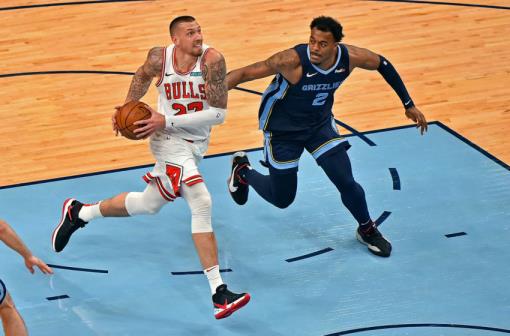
310 75
231 186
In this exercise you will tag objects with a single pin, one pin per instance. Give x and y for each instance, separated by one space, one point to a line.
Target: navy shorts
3 292
282 150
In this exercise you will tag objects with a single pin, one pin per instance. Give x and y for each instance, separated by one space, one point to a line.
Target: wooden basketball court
455 61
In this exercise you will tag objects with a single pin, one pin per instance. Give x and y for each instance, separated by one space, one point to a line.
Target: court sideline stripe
473 145
419 325
65 72
67 4
446 128
444 3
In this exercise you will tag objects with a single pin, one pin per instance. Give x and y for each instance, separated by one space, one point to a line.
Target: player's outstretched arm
285 62
368 60
11 239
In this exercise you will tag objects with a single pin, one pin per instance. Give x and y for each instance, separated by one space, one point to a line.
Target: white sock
90 211
214 277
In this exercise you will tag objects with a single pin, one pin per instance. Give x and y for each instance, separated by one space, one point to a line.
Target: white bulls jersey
181 93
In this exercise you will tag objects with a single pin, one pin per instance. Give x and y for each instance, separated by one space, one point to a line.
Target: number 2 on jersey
320 99
193 106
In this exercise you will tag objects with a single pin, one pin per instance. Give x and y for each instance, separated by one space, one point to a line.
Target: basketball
128 114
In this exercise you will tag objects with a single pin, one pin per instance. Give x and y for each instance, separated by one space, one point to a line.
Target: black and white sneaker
225 302
238 187
374 240
69 222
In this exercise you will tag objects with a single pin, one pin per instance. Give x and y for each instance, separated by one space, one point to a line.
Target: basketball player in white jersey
12 321
192 98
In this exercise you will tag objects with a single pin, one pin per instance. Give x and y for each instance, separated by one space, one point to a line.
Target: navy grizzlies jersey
287 107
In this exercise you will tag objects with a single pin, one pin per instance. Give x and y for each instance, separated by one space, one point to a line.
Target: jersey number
320 99
194 106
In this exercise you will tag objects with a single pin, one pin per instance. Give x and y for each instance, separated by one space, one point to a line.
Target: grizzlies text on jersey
295 107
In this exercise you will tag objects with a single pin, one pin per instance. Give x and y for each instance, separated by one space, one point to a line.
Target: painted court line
382 217
309 255
59 297
79 269
395 178
457 234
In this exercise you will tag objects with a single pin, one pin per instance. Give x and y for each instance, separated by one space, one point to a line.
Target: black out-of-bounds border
90 2
419 325
446 128
445 3
66 72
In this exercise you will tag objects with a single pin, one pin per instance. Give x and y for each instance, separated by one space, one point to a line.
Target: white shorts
176 162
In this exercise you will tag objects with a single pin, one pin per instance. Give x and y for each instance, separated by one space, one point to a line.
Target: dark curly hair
328 24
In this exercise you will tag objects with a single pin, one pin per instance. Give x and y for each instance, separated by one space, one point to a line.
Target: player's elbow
219 115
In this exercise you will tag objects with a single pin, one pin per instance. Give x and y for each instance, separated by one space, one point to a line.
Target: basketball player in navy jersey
295 114
11 319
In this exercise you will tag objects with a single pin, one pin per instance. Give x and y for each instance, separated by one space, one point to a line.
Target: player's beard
196 50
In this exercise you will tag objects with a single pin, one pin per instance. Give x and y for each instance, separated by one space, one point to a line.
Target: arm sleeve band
392 77
208 117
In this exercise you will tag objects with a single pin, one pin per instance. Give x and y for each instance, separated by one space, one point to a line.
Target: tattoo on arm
139 85
284 60
214 74
143 76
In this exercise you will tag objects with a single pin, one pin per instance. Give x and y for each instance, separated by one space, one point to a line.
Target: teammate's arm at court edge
11 239
368 60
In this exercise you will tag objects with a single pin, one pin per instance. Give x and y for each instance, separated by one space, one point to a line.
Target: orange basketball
128 114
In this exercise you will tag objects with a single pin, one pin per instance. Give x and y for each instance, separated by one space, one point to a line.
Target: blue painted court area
305 270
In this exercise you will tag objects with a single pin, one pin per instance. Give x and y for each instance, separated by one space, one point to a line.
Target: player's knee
152 209
200 205
203 202
143 203
3 228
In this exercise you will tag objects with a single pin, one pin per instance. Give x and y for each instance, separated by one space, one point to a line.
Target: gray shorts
3 291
